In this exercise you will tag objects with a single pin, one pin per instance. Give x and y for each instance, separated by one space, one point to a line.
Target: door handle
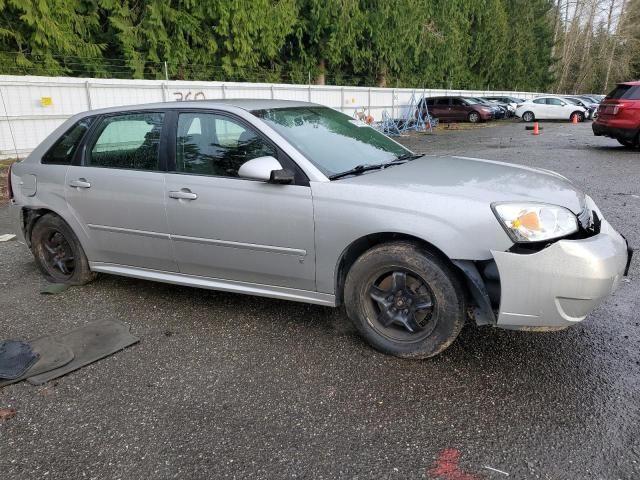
184 194
80 183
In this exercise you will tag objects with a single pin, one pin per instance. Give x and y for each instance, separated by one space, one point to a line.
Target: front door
226 227
117 193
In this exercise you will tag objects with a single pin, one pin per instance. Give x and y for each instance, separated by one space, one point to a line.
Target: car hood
477 179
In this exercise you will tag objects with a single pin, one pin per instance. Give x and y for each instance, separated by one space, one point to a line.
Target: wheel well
29 218
361 245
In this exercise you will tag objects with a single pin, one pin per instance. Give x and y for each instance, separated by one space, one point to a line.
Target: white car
549 108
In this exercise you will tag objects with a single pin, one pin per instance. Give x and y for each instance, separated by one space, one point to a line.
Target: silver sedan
297 201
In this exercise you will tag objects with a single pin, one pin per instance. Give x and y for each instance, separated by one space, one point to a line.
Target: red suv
619 115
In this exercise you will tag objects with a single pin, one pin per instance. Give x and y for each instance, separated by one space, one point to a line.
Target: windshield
332 141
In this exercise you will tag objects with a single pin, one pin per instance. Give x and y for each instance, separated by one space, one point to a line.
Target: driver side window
212 144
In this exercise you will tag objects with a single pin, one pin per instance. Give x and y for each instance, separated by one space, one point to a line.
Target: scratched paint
447 467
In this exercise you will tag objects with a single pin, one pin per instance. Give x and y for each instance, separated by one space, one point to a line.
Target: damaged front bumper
560 285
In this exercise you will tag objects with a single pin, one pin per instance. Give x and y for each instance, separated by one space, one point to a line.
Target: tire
580 116
528 117
474 117
426 310
58 252
627 143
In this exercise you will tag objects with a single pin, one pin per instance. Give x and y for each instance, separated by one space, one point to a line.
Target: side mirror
267 169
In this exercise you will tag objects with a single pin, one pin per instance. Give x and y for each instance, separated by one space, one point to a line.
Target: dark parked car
457 109
499 111
619 115
590 107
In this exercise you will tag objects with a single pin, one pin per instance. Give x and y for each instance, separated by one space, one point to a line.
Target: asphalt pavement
231 386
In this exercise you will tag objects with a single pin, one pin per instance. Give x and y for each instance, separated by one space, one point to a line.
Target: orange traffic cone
574 118
536 129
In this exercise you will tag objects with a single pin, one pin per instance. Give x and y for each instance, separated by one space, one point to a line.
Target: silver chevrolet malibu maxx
297 201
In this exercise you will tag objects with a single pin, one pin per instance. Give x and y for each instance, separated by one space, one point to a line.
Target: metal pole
272 95
166 71
393 103
342 99
6 114
224 93
369 102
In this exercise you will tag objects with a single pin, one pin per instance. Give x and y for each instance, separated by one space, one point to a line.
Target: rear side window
625 92
554 101
129 141
62 152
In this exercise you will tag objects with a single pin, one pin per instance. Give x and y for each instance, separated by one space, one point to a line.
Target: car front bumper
561 284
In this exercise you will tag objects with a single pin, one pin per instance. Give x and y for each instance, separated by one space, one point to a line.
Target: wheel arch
30 216
359 246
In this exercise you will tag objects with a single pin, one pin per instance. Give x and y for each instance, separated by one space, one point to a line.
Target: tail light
9 187
611 109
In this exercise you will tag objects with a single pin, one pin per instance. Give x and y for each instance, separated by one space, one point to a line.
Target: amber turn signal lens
529 220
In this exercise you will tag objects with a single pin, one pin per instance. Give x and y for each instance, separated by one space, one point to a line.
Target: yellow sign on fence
46 101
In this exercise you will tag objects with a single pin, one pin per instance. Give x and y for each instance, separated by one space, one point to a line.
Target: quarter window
128 141
540 100
62 152
211 144
554 101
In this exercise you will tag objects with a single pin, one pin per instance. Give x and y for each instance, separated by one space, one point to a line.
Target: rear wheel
628 143
58 252
473 117
404 300
528 116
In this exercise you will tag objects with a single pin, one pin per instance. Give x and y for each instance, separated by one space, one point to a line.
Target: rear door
231 228
117 191
441 108
540 109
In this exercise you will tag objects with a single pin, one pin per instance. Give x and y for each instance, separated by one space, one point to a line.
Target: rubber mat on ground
89 344
16 358
52 355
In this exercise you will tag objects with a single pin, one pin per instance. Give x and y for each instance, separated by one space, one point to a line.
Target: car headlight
535 222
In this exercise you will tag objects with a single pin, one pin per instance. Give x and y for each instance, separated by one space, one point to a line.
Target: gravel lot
231 386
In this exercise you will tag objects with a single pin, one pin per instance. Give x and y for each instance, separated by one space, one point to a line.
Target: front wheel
579 116
404 300
474 117
58 252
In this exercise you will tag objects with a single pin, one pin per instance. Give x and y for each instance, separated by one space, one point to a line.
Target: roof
248 104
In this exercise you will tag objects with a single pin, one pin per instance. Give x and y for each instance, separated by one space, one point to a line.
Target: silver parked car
297 201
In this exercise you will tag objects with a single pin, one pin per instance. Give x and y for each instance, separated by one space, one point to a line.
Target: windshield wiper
407 156
357 170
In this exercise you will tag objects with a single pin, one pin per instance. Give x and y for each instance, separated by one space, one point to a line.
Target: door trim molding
261 290
141 233
208 241
247 246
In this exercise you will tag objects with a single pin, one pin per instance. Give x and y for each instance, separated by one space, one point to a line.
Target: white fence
32 107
